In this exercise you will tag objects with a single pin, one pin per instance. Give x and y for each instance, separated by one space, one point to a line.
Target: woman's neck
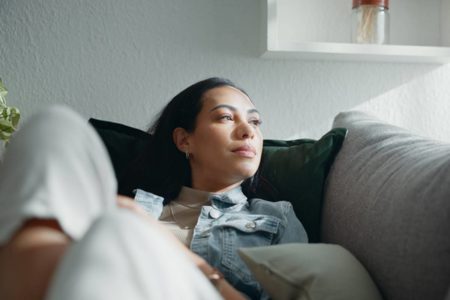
213 187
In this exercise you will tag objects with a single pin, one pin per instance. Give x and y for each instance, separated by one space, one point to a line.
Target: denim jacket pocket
245 231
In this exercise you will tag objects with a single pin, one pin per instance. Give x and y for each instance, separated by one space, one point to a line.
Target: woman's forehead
226 95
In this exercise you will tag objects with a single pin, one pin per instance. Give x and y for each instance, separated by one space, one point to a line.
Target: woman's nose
245 131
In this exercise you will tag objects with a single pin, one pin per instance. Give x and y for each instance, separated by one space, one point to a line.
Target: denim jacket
231 222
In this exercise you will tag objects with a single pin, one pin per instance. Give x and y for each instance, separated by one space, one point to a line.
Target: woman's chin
246 173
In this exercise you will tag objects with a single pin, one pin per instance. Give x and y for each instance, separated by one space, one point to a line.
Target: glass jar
370 21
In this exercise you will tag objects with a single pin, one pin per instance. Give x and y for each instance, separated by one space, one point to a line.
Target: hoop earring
187 155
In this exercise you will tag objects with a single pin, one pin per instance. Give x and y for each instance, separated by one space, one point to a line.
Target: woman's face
226 145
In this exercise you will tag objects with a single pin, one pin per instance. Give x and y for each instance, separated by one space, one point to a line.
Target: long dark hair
163 169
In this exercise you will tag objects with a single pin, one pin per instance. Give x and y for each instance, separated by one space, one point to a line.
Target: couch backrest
387 200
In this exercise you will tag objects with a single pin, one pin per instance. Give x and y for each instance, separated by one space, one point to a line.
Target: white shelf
314 42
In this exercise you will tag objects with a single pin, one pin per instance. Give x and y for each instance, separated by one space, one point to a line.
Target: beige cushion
309 271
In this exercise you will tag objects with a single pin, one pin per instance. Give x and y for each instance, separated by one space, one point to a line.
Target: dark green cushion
123 143
293 170
296 171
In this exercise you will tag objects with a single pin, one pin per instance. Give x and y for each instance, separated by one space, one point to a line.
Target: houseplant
9 119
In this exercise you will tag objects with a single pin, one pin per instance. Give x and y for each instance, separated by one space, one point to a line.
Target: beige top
181 214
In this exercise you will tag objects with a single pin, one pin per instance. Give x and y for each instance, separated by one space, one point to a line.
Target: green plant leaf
6 125
9 116
3 93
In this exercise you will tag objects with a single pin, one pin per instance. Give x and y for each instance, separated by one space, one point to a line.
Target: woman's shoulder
258 205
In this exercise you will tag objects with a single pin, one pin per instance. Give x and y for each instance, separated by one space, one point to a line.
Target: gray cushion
387 201
309 272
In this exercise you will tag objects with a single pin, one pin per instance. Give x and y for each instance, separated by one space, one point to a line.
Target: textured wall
122 60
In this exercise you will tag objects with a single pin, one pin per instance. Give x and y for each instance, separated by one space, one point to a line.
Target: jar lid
384 3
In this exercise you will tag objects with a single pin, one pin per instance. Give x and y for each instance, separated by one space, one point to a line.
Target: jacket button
215 214
250 225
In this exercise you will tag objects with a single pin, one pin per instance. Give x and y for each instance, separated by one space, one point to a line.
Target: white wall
122 60
412 22
445 23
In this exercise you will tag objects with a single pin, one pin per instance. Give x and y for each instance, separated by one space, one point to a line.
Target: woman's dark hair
163 166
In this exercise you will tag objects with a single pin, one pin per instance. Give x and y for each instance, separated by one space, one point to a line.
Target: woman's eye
256 122
226 117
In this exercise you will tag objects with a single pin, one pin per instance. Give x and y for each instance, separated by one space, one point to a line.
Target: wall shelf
325 35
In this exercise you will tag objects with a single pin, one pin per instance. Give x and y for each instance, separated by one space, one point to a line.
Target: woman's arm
224 288
28 261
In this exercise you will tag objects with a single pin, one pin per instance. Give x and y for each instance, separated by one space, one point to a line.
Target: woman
209 144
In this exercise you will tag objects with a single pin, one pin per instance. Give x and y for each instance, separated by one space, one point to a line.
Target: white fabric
57 167
121 257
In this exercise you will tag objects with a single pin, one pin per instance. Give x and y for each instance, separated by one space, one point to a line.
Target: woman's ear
181 139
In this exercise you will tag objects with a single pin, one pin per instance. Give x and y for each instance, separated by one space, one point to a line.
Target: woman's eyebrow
253 110
232 108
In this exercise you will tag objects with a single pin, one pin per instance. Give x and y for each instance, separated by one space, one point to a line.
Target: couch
387 201
374 199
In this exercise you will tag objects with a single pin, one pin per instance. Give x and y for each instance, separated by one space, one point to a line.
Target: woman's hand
128 203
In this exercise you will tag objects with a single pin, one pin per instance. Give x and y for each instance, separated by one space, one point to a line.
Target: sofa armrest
387 200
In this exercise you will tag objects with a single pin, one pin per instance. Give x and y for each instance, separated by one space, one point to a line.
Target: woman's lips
245 151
